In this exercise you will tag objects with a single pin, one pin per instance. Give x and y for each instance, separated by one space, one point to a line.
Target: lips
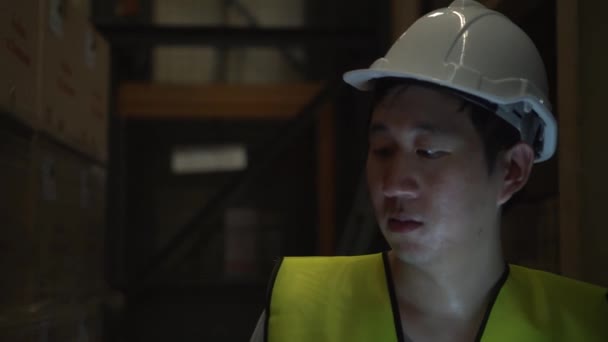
403 225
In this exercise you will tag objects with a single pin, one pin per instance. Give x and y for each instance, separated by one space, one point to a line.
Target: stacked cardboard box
54 80
54 69
54 323
19 252
69 222
52 241
20 59
95 78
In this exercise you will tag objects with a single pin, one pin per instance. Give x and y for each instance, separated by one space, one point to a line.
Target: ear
516 164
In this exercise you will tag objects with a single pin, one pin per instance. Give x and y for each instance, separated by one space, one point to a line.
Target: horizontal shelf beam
214 101
138 34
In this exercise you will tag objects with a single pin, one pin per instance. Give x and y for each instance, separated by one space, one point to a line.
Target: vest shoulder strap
331 299
534 305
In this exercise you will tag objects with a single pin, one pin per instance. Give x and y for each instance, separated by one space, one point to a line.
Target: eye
431 154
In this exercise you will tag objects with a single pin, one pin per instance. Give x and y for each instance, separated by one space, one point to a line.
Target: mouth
403 225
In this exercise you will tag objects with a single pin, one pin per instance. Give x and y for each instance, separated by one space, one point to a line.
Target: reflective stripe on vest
351 299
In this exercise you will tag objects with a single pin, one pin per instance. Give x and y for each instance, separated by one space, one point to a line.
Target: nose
401 180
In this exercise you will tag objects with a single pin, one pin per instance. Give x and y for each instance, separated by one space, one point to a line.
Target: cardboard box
52 213
93 201
20 59
19 253
57 221
96 83
70 223
54 70
62 26
29 323
53 322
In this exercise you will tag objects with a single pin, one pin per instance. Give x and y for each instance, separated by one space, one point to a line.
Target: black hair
496 134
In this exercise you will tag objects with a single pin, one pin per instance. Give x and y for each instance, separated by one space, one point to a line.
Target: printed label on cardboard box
18 52
56 15
90 48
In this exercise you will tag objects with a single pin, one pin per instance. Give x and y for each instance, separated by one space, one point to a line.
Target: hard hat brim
363 79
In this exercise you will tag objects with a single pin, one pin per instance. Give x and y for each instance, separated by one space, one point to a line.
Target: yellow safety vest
352 299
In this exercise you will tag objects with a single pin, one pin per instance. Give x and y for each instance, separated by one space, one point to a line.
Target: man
460 115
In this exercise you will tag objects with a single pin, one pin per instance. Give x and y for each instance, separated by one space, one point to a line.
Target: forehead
419 105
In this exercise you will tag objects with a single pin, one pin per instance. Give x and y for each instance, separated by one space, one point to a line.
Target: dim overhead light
207 159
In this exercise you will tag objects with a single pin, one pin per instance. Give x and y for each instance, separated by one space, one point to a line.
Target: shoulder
314 298
324 270
571 306
300 277
329 264
556 285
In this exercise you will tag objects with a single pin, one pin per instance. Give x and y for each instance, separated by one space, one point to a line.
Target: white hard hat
476 51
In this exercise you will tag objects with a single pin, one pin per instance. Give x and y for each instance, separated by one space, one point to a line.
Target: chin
410 253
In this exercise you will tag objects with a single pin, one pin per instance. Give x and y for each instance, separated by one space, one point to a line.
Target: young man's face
427 176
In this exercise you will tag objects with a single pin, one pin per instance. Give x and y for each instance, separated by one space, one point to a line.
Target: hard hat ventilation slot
517 114
532 131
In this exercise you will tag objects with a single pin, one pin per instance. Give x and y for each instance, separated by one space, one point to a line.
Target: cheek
375 183
462 195
451 185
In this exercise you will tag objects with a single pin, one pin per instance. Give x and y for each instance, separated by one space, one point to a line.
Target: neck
458 286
